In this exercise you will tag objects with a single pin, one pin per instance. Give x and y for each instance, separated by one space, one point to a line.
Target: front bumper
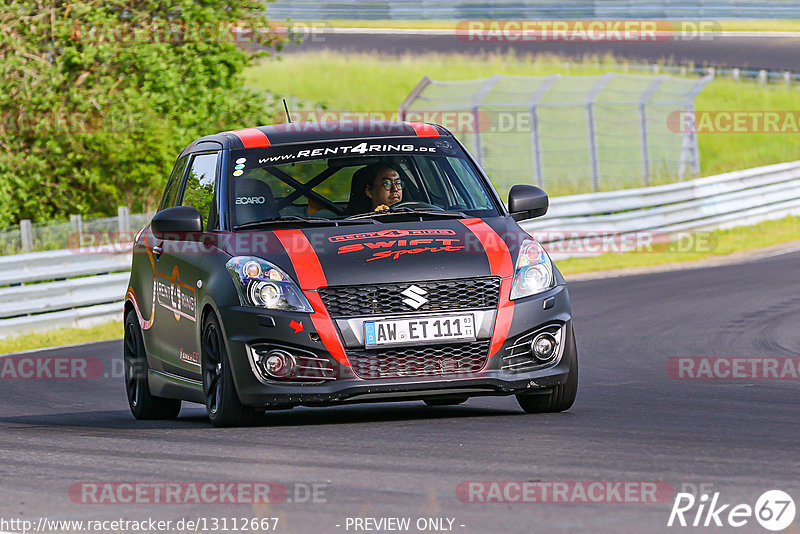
245 327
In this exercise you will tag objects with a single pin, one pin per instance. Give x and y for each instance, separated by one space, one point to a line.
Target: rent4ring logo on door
174 295
774 510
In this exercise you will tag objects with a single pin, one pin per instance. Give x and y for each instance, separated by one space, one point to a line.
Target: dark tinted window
174 184
199 190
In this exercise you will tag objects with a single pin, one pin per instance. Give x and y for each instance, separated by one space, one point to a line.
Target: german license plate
419 330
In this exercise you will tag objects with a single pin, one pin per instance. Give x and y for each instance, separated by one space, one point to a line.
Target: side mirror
527 202
178 220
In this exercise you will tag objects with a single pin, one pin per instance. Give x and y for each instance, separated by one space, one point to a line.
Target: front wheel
559 399
222 402
143 404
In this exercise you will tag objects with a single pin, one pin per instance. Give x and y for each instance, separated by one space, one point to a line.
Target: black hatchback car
323 263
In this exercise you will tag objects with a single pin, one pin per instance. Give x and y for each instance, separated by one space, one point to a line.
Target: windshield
343 179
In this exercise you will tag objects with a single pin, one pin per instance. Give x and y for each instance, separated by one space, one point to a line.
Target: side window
199 190
170 197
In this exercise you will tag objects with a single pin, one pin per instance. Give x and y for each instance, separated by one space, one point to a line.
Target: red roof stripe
423 129
252 138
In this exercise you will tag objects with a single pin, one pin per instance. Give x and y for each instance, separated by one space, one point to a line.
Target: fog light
278 364
544 346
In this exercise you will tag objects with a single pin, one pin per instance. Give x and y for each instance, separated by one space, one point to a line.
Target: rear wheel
559 399
143 404
222 402
452 401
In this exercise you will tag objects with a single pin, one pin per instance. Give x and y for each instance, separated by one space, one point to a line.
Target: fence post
485 89
590 126
787 78
76 222
123 218
762 76
536 141
26 235
690 152
402 111
652 88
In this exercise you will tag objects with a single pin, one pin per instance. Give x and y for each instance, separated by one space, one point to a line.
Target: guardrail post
762 77
735 73
787 77
123 218
26 235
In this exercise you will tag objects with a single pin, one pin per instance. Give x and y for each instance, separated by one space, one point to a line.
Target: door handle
158 250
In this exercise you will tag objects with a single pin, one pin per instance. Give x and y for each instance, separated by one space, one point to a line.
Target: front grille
384 299
431 360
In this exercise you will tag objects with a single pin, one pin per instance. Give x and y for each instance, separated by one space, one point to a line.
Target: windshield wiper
294 219
408 211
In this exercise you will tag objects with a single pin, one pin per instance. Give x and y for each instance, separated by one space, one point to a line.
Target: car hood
389 252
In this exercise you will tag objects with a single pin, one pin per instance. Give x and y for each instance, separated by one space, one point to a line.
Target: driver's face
378 192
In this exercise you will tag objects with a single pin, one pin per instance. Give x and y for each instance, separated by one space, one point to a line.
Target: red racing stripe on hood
311 277
500 265
252 138
423 129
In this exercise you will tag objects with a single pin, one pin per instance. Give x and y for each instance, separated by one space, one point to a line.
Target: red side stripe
500 265
311 277
423 129
252 138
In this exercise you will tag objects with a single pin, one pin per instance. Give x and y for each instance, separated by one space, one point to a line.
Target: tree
97 97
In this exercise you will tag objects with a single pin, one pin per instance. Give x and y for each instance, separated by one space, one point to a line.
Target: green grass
725 25
716 244
65 336
373 82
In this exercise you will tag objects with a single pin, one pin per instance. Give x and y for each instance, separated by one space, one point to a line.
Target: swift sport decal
501 265
311 277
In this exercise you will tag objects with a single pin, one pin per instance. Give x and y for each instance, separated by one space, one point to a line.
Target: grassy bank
716 244
65 336
372 82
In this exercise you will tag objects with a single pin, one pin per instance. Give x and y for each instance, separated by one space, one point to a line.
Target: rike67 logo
774 510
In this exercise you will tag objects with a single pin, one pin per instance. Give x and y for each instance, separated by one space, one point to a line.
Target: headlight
262 284
534 271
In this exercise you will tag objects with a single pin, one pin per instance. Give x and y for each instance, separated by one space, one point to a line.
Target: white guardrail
71 288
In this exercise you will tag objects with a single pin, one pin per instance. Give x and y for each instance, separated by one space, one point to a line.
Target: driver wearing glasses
385 190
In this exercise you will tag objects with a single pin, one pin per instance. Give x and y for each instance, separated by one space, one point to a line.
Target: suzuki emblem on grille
415 297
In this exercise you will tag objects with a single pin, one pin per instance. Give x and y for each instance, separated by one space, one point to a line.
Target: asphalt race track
757 52
631 422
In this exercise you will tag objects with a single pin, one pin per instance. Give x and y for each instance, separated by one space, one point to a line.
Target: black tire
559 399
452 401
143 404
222 402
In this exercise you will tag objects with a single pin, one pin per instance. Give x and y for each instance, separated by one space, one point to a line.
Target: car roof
309 132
